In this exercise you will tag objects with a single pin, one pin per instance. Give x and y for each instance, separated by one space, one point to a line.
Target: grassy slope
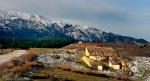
69 76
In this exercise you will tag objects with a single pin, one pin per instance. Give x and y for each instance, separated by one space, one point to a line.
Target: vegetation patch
25 44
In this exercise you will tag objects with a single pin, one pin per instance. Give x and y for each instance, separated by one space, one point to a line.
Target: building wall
123 62
116 67
86 60
110 64
100 67
98 58
86 52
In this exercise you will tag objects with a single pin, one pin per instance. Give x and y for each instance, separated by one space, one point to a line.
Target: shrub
81 71
66 67
7 76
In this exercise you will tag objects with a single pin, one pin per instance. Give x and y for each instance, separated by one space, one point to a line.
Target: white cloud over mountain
120 16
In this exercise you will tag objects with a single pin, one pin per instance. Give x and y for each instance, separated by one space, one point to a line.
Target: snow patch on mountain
11 14
13 21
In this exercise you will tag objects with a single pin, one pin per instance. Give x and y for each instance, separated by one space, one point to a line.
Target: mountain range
19 25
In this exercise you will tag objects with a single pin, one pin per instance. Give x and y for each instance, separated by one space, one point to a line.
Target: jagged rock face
17 25
91 34
25 29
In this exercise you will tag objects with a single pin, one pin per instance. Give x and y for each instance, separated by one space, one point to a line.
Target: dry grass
74 75
19 65
43 50
87 71
4 51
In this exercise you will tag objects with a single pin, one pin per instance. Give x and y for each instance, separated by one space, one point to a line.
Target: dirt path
16 53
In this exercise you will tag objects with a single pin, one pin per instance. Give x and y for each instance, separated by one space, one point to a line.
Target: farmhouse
114 63
93 64
96 57
99 53
125 63
94 53
108 52
87 61
97 65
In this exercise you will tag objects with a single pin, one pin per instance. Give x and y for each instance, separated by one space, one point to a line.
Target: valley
61 64
34 48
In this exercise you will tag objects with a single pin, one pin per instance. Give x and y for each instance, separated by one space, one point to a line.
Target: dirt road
16 53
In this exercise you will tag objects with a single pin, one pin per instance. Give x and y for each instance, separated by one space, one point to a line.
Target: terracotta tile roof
95 64
101 51
95 51
125 61
108 51
114 61
81 46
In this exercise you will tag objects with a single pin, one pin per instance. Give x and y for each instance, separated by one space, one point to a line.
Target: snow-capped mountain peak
11 14
59 23
15 24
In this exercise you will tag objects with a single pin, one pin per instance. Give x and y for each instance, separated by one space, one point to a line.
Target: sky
125 17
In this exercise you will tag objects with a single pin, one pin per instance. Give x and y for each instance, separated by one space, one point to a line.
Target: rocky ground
58 59
141 68
58 63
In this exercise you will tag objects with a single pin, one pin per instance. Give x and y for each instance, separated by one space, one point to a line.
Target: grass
45 50
39 50
82 63
69 76
56 74
18 66
4 51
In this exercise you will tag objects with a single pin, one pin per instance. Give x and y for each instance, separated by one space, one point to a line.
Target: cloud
120 16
